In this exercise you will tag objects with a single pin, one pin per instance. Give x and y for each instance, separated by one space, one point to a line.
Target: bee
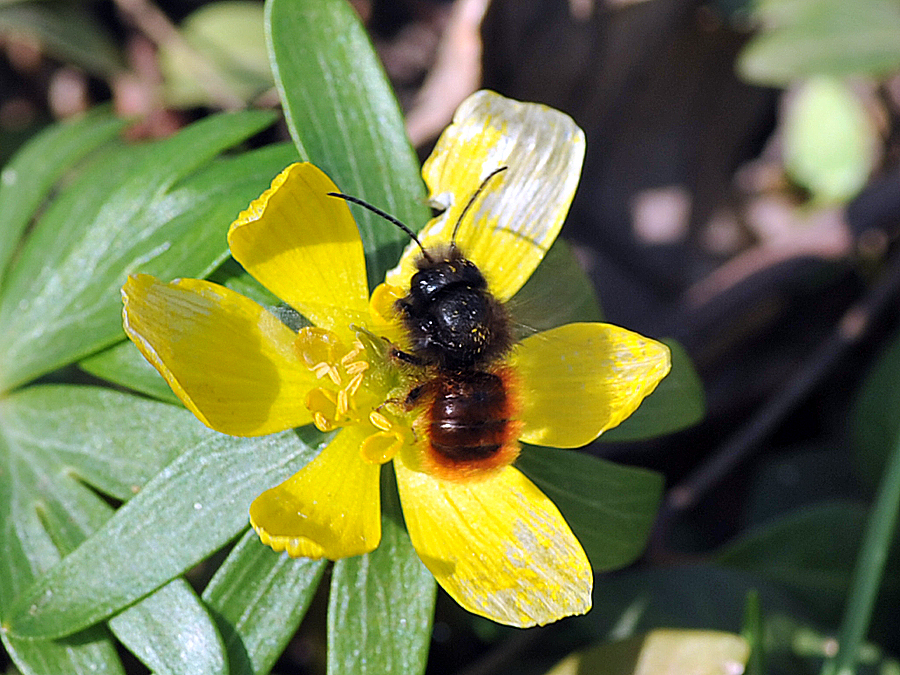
459 334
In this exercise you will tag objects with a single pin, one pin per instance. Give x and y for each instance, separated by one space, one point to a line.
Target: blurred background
741 194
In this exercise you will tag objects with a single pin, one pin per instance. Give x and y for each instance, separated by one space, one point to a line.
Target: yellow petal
230 361
581 379
498 546
329 509
512 225
303 246
382 309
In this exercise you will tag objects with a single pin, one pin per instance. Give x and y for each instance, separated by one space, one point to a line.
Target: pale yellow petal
304 246
512 225
329 509
581 379
230 361
498 546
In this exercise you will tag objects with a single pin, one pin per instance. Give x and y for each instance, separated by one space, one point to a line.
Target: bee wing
518 215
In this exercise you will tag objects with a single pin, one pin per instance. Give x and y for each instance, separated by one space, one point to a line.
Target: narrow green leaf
868 572
811 553
677 402
28 177
49 436
875 422
55 439
753 632
46 440
124 365
61 435
609 507
258 598
30 503
90 651
107 439
18 525
171 632
68 30
190 509
381 604
135 211
344 118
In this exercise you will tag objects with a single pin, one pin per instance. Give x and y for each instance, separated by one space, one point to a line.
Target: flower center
352 391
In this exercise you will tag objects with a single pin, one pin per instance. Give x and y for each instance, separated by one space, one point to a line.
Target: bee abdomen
469 417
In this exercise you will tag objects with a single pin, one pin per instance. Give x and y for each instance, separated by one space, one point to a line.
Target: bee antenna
472 201
387 216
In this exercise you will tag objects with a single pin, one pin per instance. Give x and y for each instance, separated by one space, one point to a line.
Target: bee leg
399 355
406 357
395 403
414 395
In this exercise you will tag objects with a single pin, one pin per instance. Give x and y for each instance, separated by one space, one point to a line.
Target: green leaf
73 434
875 423
26 548
381 604
344 118
27 179
879 535
753 631
677 402
136 210
171 632
830 142
190 509
662 651
811 552
610 508
802 38
258 598
90 651
124 365
229 36
106 439
67 30
559 292
682 596
233 276
54 441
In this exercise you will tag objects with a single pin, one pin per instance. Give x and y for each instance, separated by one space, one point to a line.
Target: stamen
321 423
355 383
358 348
323 369
357 367
379 421
334 375
338 405
380 447
343 404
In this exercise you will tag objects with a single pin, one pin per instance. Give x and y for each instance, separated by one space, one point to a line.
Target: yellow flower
491 538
